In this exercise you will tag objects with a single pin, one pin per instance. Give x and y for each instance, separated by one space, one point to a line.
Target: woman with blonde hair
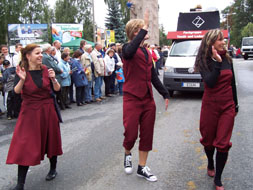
37 130
139 108
219 102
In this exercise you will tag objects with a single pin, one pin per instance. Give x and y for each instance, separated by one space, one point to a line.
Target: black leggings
22 170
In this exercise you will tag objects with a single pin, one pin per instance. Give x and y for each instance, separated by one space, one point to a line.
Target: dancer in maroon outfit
37 131
219 102
139 108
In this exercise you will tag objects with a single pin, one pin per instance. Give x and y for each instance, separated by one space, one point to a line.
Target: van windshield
247 42
185 48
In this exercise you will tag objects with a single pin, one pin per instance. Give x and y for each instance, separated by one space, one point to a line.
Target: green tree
247 30
84 16
10 11
124 10
114 21
163 37
65 11
35 12
239 14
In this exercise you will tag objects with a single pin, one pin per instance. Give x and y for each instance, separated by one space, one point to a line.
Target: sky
168 10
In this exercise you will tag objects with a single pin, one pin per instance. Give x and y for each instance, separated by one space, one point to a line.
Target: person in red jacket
219 102
138 101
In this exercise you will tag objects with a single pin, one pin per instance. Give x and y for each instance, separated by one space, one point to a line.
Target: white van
247 47
179 67
179 72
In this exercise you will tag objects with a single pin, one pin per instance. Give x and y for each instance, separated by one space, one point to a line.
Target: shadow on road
187 95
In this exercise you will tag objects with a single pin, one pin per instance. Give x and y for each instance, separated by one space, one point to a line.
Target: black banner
198 21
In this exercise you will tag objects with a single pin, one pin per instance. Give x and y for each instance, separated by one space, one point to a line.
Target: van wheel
171 92
245 57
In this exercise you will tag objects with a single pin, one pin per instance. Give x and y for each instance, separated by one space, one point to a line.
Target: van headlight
168 69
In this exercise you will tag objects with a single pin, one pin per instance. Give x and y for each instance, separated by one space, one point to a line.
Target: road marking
191 185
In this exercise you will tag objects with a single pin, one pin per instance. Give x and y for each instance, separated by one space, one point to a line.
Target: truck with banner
179 74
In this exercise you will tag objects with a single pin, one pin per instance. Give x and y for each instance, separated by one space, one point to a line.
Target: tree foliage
247 30
163 37
10 11
124 10
65 11
238 15
114 21
35 12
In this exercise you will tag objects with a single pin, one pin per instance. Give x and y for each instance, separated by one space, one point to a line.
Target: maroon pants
216 123
138 114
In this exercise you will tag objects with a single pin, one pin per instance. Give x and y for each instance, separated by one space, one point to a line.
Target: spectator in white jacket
109 69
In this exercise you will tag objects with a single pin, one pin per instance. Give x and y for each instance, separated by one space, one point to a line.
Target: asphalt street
92 138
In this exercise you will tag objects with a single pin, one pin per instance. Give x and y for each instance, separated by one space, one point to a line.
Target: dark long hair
205 50
24 51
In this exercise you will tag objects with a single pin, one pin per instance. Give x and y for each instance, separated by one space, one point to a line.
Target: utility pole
94 26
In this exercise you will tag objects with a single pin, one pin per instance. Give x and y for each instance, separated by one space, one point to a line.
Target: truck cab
179 73
247 47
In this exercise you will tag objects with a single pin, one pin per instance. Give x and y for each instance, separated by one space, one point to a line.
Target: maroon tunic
218 113
37 131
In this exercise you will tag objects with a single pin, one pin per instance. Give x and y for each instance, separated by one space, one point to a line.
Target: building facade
137 11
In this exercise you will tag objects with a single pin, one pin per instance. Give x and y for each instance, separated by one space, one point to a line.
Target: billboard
26 34
110 36
66 32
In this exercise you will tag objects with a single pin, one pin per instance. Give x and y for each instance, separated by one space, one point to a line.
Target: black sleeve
158 84
234 91
130 49
210 77
16 80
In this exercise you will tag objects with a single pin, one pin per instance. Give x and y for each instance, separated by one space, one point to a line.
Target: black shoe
145 173
1 113
73 101
67 106
19 187
51 175
128 164
79 104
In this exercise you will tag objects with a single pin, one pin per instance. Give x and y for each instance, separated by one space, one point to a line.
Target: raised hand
51 73
21 72
215 55
166 104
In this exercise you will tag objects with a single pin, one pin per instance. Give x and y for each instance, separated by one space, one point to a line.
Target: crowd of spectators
81 74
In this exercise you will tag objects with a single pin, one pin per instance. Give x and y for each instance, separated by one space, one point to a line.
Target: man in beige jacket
99 71
86 61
